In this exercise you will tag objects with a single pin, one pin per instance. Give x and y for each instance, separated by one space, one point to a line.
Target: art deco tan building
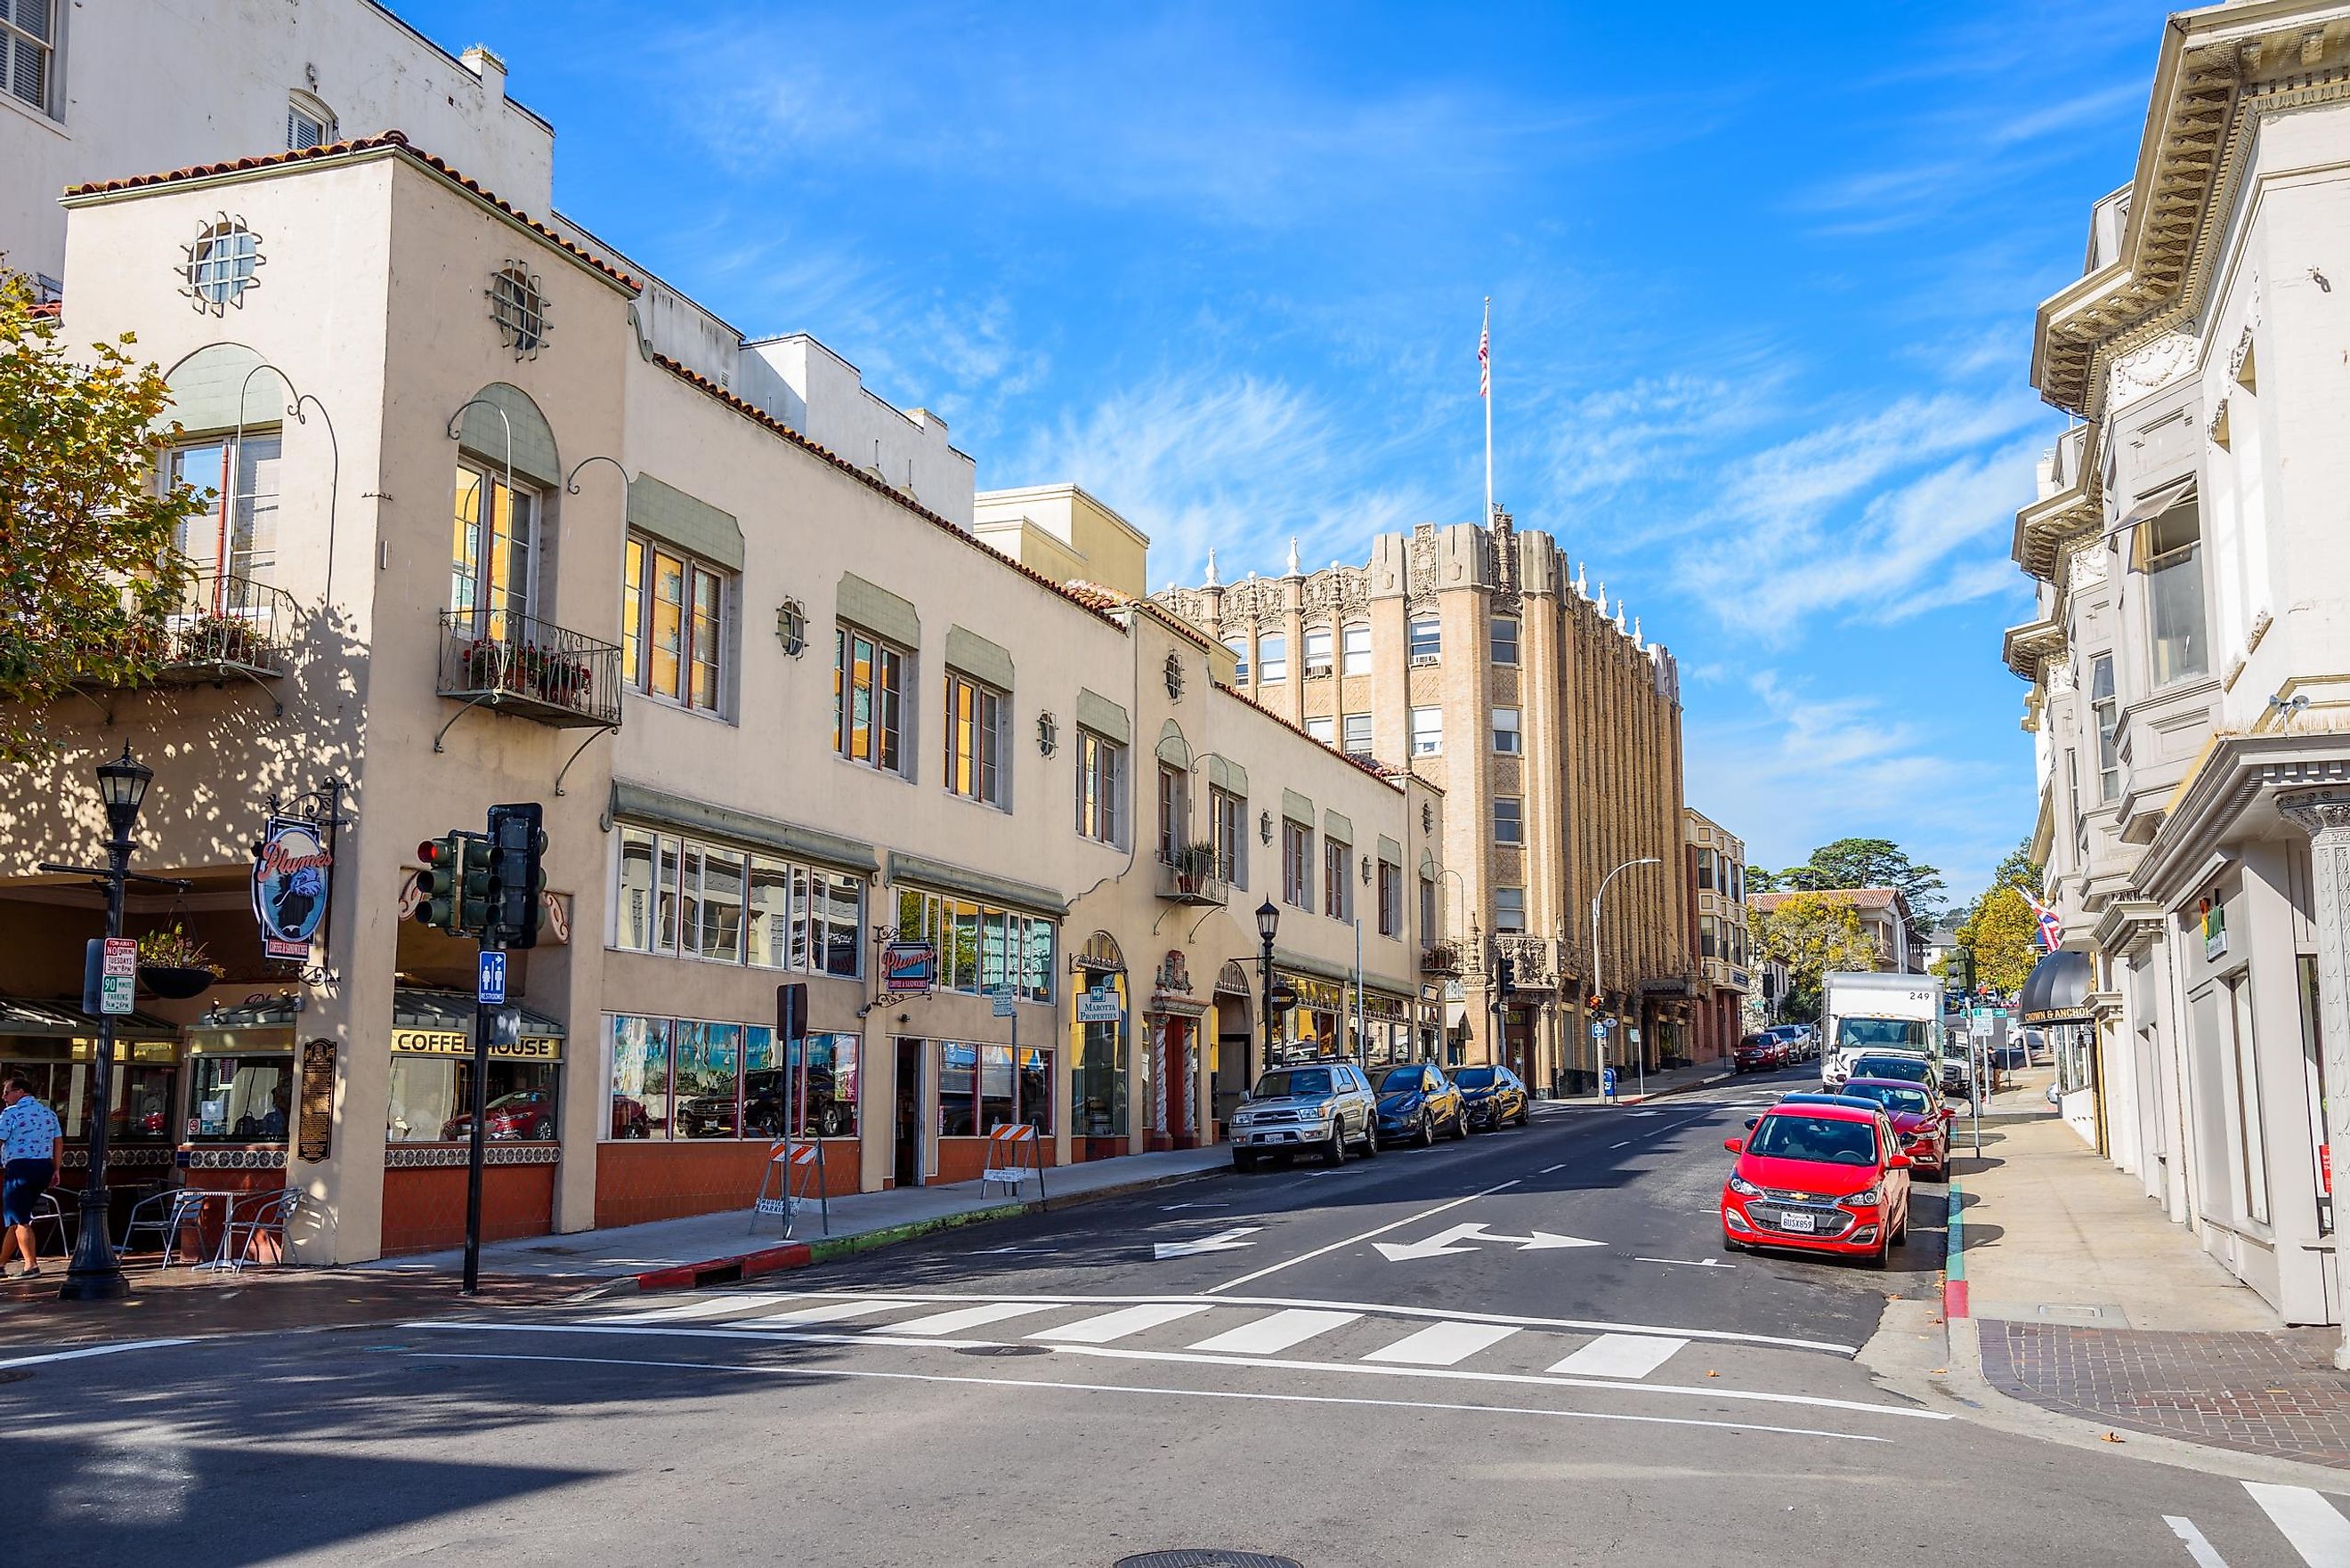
1473 658
1717 880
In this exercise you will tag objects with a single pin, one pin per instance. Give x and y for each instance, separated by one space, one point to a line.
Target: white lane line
1117 1324
962 1318
2197 1547
1620 1356
1548 1169
1193 1358
1046 1383
1443 1344
1578 1324
2320 1534
1692 1262
90 1350
741 1305
1294 1325
1352 1240
1625 1143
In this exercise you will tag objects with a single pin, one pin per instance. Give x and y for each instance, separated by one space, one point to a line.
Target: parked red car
1918 1120
526 1114
1818 1178
1755 1053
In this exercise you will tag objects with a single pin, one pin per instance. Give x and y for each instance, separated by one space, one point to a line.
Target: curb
1690 1088
1954 1253
735 1267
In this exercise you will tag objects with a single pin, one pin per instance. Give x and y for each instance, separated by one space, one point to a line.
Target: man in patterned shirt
31 1145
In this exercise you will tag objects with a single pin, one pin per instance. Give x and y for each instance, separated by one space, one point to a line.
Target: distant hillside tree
1813 935
1870 863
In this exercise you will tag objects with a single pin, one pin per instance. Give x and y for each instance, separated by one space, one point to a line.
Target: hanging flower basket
171 965
175 982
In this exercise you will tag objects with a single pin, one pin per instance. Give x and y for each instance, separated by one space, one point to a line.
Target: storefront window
708 1061
683 1079
1101 1081
641 1096
240 1098
432 1100
61 1072
980 1091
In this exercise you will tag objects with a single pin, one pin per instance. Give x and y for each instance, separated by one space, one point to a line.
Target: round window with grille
222 264
519 309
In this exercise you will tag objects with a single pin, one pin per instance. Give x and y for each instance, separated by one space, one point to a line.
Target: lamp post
95 1274
1268 921
1599 989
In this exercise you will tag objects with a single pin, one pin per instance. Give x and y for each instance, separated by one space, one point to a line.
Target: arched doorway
1097 1050
1235 1036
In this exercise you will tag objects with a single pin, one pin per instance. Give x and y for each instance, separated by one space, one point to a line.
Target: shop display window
240 1098
685 1078
980 1088
432 1100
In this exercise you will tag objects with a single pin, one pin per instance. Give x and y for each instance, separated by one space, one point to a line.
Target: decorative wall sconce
1264 826
1048 734
1366 870
791 627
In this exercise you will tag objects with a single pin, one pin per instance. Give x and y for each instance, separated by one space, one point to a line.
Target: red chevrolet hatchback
1819 1179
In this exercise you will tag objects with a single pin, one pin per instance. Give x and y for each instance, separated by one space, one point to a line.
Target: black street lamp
96 1274
1268 921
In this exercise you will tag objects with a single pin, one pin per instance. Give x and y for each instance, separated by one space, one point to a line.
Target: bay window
2107 712
2169 554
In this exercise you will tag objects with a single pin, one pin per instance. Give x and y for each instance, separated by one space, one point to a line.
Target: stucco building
1474 656
1717 912
2188 703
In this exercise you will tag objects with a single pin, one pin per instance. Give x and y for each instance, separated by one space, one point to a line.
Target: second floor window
1337 888
1429 934
975 730
27 45
1509 819
1318 651
1391 899
1425 638
1228 835
1101 784
672 624
1298 865
2169 552
1427 732
492 558
1174 813
235 533
868 684
1506 737
2107 712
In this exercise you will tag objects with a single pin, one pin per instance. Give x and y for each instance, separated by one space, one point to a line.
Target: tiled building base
2274 1394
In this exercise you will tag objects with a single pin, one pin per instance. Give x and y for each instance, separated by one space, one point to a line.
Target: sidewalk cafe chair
266 1217
168 1214
47 1211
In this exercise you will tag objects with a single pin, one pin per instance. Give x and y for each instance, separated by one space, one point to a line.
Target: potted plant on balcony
213 637
486 661
555 676
171 964
1441 958
1194 867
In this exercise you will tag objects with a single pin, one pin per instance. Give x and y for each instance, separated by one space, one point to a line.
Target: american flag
1485 356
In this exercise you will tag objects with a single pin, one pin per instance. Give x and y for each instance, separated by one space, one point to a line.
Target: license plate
1806 1223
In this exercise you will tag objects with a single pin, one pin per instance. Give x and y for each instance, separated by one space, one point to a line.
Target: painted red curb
742 1266
1954 1298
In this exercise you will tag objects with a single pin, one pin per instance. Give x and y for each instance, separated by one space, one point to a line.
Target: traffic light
1504 971
516 873
440 858
472 884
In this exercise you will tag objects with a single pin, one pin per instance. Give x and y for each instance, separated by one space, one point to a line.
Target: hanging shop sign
908 967
1099 1006
293 872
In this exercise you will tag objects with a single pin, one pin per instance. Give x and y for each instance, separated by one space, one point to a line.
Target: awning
2058 990
56 1021
2147 507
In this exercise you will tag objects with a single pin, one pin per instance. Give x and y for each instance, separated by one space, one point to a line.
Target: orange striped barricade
1014 1154
791 1170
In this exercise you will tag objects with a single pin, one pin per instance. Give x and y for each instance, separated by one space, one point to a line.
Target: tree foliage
2000 931
1760 880
1813 936
2019 869
87 568
1869 863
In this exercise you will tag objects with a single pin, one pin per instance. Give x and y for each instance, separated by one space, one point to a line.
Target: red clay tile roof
391 138
759 416
1858 898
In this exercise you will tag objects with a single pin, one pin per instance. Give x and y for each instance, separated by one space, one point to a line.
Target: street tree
1814 935
88 566
1870 863
2000 934
2019 869
1761 880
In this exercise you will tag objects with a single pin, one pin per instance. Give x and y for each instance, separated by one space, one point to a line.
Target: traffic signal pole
477 1156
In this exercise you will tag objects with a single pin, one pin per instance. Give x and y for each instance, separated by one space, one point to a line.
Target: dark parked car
1496 1098
1418 1101
630 1118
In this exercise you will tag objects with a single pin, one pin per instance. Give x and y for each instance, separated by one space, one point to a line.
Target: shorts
22 1182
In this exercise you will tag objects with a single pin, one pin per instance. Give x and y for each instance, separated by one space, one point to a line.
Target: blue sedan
1419 1100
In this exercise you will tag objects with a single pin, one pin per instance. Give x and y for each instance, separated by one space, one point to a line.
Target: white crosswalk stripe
2202 1551
2317 1532
1277 1332
831 1312
1117 1324
960 1318
1620 1356
1443 1344
741 1303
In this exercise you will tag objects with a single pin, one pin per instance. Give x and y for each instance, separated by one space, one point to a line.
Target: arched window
309 123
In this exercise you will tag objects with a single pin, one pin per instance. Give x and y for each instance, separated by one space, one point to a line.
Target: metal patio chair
47 1211
267 1217
168 1214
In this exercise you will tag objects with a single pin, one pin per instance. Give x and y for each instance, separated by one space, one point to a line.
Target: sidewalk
1677 1081
713 1249
2086 1301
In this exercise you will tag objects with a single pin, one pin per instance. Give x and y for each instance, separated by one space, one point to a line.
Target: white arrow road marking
1221 1241
2197 1547
2321 1535
1277 1332
1620 1356
1691 1262
1170 1207
1000 1251
1442 1242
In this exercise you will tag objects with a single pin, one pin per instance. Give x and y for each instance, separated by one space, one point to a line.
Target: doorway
906 1152
1175 1085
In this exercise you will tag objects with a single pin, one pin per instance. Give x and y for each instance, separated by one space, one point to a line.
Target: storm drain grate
1003 1350
1205 1557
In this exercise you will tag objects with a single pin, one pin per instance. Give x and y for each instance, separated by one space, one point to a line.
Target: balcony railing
1440 959
226 626
529 666
1193 877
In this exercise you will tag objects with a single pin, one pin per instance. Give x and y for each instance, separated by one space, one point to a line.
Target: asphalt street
1527 1348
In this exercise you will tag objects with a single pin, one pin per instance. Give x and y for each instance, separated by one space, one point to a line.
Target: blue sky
1762 287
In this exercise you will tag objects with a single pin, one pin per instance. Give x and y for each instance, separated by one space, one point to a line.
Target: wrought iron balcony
531 668
1440 959
227 627
1193 877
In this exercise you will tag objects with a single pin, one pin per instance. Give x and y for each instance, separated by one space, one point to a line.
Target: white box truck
1876 1012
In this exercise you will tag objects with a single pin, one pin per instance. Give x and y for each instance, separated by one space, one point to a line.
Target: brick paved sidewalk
2276 1393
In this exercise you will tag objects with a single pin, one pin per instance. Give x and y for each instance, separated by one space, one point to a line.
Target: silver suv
1320 1105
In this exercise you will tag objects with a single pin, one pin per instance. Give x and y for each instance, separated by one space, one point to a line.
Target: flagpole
1485 343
